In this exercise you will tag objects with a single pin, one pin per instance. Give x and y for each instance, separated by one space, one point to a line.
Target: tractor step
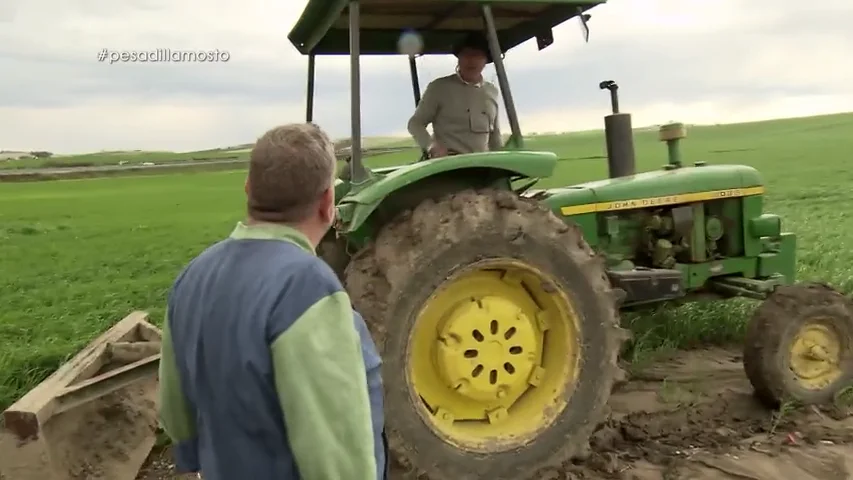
755 288
647 285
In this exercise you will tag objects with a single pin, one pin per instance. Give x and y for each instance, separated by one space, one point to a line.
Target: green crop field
78 255
124 158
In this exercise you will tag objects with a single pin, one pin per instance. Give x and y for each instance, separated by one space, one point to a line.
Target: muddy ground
693 417
105 439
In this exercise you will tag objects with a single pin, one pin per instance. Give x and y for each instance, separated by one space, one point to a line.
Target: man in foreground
462 108
267 373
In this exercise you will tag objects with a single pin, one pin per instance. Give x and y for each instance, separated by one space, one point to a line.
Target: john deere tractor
496 307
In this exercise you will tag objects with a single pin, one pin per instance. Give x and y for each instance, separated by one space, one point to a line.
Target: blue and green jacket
267 372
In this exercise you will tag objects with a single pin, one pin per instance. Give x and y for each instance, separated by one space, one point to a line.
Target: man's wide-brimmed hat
476 41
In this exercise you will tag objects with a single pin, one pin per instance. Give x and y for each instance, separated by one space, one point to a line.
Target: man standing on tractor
267 373
462 108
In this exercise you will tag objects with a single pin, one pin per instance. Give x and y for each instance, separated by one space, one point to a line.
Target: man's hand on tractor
437 151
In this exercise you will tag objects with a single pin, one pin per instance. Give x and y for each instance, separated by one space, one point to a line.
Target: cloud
693 60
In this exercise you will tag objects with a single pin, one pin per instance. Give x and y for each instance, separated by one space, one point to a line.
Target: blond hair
289 168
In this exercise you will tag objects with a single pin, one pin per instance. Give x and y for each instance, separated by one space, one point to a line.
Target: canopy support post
503 81
416 85
309 106
357 172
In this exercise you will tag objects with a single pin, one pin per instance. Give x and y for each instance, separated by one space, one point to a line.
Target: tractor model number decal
660 201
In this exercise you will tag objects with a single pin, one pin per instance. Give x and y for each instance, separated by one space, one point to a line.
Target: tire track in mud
693 417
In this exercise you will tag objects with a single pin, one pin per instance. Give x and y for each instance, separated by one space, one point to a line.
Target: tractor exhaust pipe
619 135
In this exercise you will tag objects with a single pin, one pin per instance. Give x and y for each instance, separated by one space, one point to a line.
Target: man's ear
327 205
246 186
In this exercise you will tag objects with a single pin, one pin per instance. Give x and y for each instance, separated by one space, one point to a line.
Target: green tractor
496 307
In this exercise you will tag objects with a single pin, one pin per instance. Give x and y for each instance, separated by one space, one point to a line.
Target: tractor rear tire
799 345
444 249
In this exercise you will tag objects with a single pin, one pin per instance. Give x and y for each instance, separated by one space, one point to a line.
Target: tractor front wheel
799 345
499 335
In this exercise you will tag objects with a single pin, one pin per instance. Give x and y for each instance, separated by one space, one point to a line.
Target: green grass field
78 255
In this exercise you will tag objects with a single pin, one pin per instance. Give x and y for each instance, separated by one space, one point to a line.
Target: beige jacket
464 116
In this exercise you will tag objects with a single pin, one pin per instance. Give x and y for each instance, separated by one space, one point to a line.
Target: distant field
123 158
80 254
138 157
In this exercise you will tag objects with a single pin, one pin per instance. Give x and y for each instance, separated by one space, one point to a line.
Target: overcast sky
697 61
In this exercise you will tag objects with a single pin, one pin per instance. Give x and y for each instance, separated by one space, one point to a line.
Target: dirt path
694 418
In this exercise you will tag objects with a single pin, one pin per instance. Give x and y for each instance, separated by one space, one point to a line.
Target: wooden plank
109 382
25 417
148 332
103 358
129 352
99 359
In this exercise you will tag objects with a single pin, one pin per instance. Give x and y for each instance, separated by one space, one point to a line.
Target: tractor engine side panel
680 234
704 240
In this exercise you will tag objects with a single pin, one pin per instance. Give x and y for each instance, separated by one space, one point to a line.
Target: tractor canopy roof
323 28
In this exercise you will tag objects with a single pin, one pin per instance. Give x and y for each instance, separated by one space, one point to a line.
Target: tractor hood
660 187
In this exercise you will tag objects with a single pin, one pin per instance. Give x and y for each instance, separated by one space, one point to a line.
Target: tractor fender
355 208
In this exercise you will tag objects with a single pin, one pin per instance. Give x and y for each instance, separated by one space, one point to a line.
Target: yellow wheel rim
816 356
493 355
